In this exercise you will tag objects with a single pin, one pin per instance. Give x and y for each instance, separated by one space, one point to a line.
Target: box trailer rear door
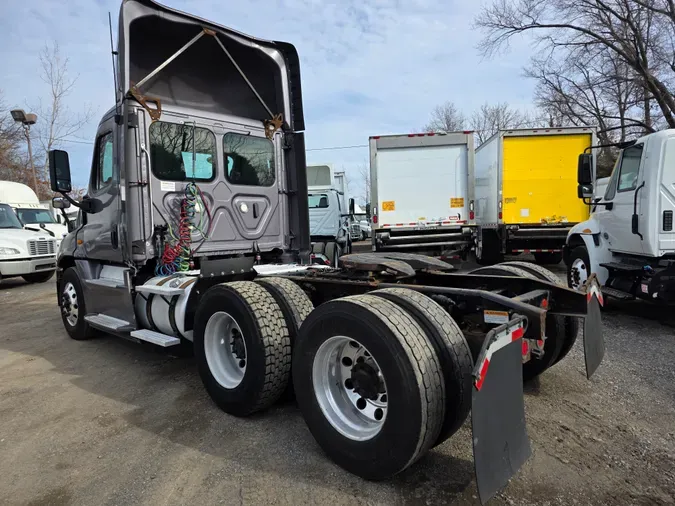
539 182
422 184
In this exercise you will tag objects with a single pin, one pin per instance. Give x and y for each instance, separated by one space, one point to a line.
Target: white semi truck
329 214
629 240
26 253
422 193
195 233
33 214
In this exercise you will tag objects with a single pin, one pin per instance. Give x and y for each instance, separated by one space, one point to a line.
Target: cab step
618 266
155 337
105 322
617 294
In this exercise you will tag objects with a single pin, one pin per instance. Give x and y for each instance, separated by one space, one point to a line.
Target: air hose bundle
177 256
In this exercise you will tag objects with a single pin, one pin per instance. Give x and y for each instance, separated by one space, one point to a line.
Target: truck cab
26 253
629 241
34 215
330 215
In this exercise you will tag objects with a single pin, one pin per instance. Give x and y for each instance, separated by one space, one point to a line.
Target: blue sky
368 68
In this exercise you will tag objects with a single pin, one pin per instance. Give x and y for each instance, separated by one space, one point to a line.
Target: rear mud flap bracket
500 442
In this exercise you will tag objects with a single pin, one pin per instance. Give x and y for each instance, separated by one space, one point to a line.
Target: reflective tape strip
503 340
594 290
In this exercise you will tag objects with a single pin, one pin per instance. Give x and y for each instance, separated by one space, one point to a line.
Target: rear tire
73 306
399 353
555 325
242 347
548 258
39 277
295 306
571 323
451 348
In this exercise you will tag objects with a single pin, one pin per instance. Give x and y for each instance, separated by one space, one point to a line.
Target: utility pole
26 120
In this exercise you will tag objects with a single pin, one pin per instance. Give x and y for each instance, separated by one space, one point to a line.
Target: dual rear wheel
379 378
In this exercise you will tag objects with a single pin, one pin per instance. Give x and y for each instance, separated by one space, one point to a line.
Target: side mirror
351 206
60 203
585 191
585 169
59 171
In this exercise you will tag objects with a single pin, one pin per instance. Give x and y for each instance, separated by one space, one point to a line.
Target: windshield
35 215
318 201
7 217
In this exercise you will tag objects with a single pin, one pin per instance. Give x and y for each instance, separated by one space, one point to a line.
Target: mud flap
500 442
594 342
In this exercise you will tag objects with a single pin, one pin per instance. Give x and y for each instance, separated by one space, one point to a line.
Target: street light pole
26 120
26 131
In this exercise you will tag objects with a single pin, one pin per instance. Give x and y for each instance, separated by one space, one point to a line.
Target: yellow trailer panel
539 182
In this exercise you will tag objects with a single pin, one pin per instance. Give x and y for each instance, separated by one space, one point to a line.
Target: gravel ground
108 421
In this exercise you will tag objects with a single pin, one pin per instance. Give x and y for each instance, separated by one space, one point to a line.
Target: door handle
635 219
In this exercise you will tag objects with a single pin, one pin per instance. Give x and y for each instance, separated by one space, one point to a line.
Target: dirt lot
110 422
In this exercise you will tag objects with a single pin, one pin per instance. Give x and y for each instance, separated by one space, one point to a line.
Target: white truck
25 253
329 214
422 193
33 214
629 240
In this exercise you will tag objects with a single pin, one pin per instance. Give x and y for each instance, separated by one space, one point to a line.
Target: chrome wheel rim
579 274
225 350
350 388
69 305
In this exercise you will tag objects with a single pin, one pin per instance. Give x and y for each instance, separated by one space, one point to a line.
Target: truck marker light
471 215
375 219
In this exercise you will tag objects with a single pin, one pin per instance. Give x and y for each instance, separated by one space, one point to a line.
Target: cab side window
103 161
630 166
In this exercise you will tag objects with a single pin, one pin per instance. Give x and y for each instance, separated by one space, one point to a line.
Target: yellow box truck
526 192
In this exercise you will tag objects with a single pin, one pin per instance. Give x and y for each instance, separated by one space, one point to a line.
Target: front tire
38 277
369 385
73 306
578 268
242 347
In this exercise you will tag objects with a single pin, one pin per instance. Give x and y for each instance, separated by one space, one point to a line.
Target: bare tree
636 37
13 165
446 118
364 177
56 122
490 118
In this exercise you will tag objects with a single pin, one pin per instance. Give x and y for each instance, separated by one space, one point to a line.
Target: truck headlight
9 251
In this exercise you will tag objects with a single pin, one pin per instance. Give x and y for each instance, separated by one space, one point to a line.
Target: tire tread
424 361
276 341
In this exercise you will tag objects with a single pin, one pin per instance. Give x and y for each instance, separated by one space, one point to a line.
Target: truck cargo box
421 191
530 176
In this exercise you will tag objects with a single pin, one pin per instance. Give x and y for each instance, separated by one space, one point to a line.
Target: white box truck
422 193
526 196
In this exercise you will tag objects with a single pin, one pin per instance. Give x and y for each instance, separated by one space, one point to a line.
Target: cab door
101 239
627 179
